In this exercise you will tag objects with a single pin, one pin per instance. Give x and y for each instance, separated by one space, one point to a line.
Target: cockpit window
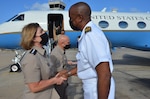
19 18
11 18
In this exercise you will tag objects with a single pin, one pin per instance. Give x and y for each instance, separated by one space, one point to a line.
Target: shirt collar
83 31
40 50
60 50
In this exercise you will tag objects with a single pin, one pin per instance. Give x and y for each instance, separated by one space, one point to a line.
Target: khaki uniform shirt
59 58
35 68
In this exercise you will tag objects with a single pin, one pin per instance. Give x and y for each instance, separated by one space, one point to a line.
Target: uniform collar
40 50
83 31
60 50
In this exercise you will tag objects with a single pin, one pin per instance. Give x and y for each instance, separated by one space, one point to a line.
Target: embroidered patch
87 29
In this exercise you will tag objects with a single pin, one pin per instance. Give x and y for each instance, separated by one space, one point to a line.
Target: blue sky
9 8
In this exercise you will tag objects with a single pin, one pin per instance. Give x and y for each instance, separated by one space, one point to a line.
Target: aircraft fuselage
130 30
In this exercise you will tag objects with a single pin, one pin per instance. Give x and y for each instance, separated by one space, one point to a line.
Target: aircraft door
55 26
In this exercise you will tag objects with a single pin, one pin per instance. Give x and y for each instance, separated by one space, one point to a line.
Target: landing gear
15 68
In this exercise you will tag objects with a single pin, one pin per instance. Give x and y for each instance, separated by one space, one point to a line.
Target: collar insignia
33 51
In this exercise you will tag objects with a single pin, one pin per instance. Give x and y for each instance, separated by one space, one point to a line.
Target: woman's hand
59 79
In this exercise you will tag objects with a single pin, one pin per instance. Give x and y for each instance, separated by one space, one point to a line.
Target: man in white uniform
94 63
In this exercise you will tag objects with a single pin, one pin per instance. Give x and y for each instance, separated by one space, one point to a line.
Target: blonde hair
28 33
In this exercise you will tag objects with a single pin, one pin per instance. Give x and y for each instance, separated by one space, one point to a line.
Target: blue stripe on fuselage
73 36
137 40
10 41
132 39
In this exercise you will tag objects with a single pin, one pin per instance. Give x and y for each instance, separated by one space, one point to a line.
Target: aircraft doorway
55 26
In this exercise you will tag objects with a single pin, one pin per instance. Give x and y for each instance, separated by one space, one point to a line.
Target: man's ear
80 18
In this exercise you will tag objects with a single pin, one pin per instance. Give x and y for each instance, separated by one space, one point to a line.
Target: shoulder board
33 51
88 29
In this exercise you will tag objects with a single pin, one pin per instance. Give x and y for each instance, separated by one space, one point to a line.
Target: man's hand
72 63
63 73
59 79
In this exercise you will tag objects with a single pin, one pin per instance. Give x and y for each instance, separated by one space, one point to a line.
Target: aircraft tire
15 68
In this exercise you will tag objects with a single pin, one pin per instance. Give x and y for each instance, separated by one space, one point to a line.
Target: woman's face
39 32
41 37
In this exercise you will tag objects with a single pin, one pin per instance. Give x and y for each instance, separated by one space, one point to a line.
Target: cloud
38 6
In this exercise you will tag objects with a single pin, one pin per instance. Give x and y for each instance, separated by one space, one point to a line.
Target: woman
36 69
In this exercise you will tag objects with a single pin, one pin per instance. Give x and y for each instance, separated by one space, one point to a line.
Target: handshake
60 77
64 74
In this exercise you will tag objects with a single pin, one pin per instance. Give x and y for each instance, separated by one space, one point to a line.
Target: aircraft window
123 24
52 6
56 5
61 6
11 18
19 18
103 24
141 25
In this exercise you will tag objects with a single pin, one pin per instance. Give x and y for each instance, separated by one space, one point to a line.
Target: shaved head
80 15
81 8
62 38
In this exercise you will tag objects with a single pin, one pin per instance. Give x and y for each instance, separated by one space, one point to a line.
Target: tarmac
131 73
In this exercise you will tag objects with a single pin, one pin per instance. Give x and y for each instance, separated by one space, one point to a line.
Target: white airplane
130 30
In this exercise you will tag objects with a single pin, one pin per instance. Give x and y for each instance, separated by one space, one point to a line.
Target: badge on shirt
88 29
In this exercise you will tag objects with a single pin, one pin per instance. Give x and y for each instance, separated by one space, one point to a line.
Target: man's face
73 20
66 43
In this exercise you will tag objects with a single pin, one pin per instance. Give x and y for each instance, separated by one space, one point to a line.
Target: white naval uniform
93 48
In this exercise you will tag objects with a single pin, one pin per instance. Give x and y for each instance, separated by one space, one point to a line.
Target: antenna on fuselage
104 9
56 5
114 10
